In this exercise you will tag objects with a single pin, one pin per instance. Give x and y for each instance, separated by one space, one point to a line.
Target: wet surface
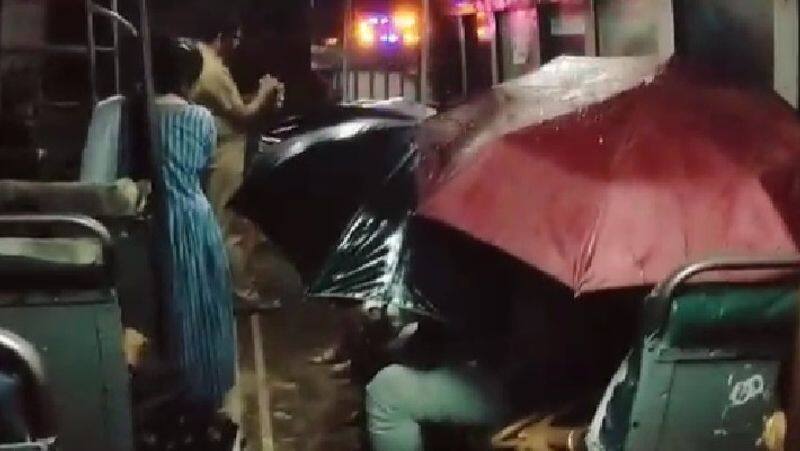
309 409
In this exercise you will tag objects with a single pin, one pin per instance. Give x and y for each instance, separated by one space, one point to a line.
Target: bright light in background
365 34
485 28
404 20
410 39
482 9
463 7
407 25
399 28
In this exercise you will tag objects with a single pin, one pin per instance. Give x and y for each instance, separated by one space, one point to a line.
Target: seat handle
91 226
662 294
666 288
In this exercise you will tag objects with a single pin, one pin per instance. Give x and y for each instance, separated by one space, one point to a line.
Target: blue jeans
400 398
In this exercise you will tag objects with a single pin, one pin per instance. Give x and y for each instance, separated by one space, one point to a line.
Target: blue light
393 38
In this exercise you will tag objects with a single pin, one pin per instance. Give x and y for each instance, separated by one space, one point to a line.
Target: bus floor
289 403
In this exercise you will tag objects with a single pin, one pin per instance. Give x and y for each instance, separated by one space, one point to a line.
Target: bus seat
705 373
101 200
100 160
75 251
76 328
115 143
58 262
722 317
120 207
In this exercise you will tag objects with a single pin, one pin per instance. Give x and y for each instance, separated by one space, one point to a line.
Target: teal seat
744 318
706 371
74 324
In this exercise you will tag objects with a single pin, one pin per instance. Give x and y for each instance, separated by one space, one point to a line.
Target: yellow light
365 34
485 29
410 39
465 8
483 33
405 20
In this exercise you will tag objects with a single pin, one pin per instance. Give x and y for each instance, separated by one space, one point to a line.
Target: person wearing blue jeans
401 398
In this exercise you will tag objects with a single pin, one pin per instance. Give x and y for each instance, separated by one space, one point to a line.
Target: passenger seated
512 344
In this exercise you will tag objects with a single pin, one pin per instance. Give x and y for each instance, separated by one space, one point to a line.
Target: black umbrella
390 257
311 174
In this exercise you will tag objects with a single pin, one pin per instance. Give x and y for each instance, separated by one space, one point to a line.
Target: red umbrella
619 193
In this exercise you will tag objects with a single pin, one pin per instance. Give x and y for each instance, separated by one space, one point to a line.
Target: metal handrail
661 298
94 227
29 357
26 353
93 8
114 15
666 288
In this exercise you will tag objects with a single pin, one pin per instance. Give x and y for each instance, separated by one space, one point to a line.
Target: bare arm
265 100
541 436
218 92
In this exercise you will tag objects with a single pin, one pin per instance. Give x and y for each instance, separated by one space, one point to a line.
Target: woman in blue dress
199 307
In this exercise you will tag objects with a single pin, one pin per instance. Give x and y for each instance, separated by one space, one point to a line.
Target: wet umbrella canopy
681 167
389 256
600 173
313 172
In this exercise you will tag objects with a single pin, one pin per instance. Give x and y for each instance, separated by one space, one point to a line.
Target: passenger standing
217 90
199 311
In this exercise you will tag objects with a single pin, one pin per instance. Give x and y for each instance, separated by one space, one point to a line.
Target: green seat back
729 317
686 379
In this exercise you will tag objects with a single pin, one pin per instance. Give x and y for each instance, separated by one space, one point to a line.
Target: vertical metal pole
494 56
161 238
91 50
371 84
149 88
115 25
424 57
346 51
1 53
356 94
418 87
386 75
462 46
595 18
